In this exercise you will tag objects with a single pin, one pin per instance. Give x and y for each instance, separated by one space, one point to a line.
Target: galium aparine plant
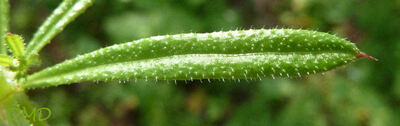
230 55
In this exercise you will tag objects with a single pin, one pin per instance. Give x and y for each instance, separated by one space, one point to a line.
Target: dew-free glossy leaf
4 16
66 12
242 54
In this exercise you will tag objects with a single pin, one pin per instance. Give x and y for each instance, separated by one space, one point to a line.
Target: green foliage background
363 93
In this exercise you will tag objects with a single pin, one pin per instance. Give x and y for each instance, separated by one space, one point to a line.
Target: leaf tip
10 34
364 55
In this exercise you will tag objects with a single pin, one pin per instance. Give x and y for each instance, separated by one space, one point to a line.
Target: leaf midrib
187 55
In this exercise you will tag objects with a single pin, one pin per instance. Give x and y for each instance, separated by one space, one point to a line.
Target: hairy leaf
240 54
5 60
61 17
4 16
16 44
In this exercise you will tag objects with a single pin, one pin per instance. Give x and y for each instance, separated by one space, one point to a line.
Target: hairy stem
4 19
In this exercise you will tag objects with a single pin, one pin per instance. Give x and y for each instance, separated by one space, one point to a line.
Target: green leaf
5 88
247 54
29 107
66 12
5 60
16 44
4 19
10 113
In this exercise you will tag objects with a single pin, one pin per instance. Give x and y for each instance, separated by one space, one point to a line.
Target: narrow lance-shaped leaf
4 19
5 60
16 44
61 17
220 55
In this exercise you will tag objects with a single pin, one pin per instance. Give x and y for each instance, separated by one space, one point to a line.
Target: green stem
4 19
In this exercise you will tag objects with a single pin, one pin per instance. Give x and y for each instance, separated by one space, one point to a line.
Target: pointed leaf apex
364 55
16 44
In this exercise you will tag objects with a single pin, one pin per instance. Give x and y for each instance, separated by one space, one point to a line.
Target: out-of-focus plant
234 55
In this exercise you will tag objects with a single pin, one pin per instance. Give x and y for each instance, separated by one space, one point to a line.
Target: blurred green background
362 93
